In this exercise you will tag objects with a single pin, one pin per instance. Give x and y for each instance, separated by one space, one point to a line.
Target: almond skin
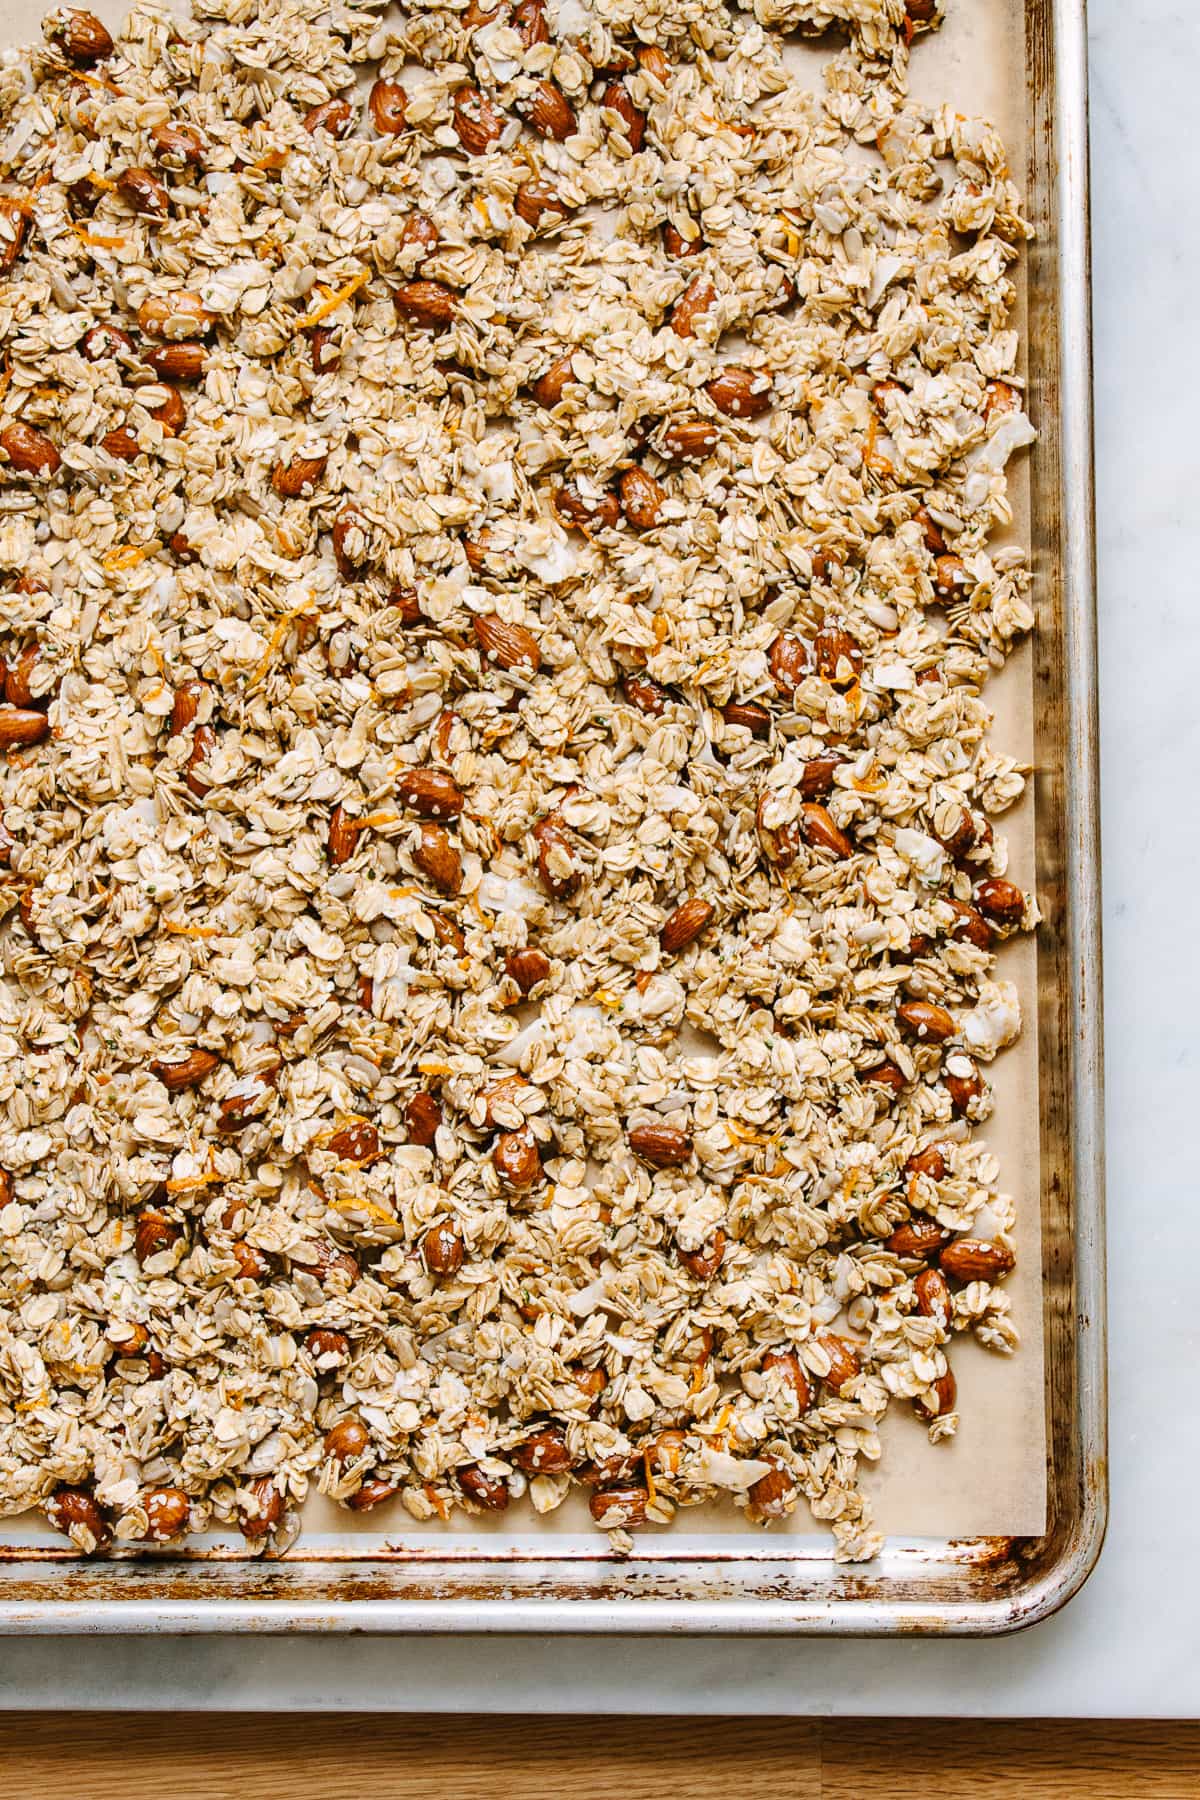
422 1116
179 315
342 839
68 1506
969 926
334 116
145 193
690 440
621 1507
187 1072
104 340
29 451
430 793
931 531
963 1089
974 1259
420 232
675 244
773 1495
555 847
185 705
818 829
172 414
793 1374
575 508
789 660
168 1511
437 857
429 303
740 393
178 362
20 727
751 715
18 690
178 145
928 1161
641 499
262 1511
476 121
357 1143
1001 902
685 924
300 476
695 299
844 1362
85 41
14 227
918 1239
154 1232
549 388
816 780
373 1492
549 112
253 1264
662 1146
945 1396
703 1264
489 1491
885 1075
950 578
321 1343
929 1023
512 646
443 1249
539 202
1000 398
387 104
328 1260
350 546
122 444
616 98
835 650
544 1452
529 22
648 695
516 1159
528 968
933 1297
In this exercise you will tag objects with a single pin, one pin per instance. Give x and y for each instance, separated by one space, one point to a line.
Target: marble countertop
1127 1646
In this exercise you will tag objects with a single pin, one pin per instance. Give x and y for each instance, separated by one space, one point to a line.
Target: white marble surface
1128 1646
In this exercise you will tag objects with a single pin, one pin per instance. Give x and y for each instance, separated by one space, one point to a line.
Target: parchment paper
990 1480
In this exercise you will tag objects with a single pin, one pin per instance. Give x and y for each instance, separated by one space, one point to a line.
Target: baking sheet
991 1480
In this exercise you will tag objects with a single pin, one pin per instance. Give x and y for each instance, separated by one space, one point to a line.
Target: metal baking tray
762 1583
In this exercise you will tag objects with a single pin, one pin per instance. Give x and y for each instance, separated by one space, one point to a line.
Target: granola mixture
500 902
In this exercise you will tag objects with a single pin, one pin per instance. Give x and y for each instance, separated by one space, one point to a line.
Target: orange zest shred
435 1500
128 556
103 240
181 928
282 626
738 1134
651 1491
346 1203
187 1184
273 159
434 1068
383 818
98 81
334 301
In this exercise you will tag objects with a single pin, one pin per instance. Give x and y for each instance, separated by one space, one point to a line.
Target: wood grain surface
212 1756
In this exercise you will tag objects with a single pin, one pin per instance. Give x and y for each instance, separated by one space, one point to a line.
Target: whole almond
324 351
1000 398
969 926
655 62
488 1491
342 837
549 388
695 300
887 1076
931 531
929 1161
528 20
253 1264
322 1343
642 498
324 1260
539 202
145 193
178 144
516 1158
179 315
950 577
430 793
448 932
334 116
74 1507
171 414
559 872
931 1024
443 1249
121 444
178 362
740 393
773 1495
422 1116
245 1101
792 1370
621 1507
789 660
686 923
689 440
835 651
186 704
181 549
549 112
881 394
579 509
703 1264
1001 902
18 679
85 41
429 303
844 1362
818 829
420 233
299 476
528 968
20 727
918 1238
945 1395
14 227
544 1452
751 715
262 1509
154 1232
816 779
663 1146
204 742
388 106
975 1259
648 695
616 98
407 603
964 1084
29 451
168 1511
933 1297
676 245
350 542
185 1072
357 1143
437 857
476 121
512 646
104 340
